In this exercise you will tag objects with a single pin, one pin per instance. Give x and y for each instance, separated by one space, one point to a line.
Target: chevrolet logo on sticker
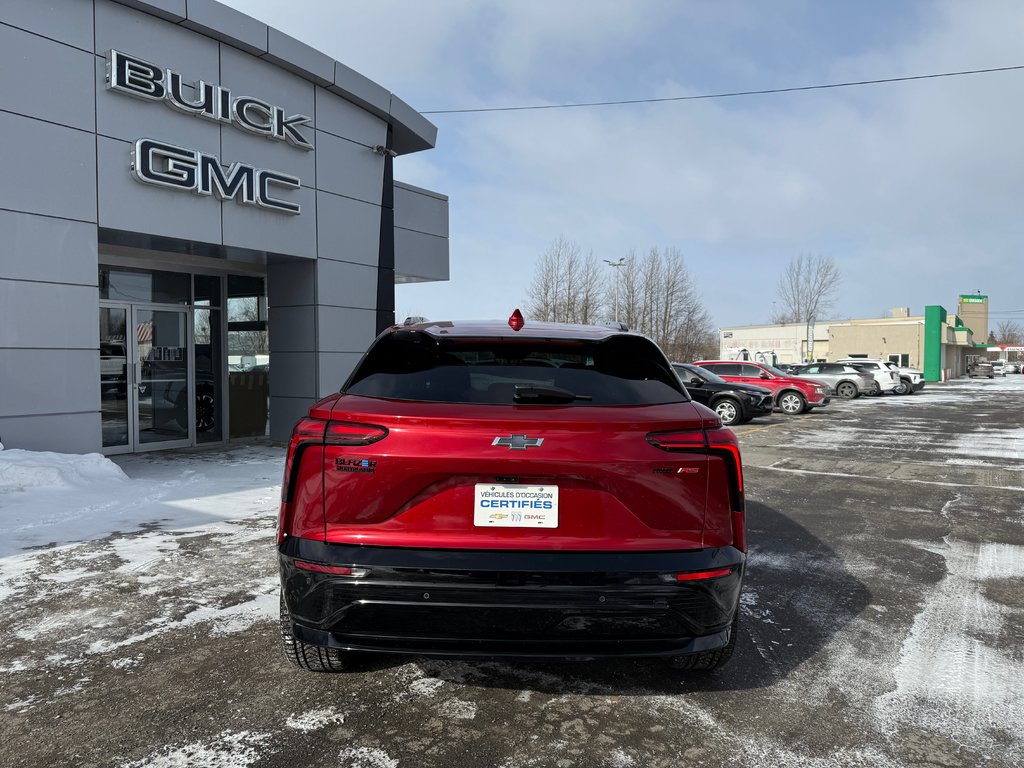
518 442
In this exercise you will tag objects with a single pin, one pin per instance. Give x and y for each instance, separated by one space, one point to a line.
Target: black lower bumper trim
540 605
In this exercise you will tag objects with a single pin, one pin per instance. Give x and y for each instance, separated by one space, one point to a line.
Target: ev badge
518 442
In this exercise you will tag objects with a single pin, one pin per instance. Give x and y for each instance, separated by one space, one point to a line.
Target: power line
726 95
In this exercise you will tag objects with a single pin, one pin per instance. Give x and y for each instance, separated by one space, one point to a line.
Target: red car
499 490
792 395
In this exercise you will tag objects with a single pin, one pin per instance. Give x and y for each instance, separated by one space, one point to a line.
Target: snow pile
57 498
34 469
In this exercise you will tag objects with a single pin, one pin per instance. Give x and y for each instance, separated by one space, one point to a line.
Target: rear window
413 365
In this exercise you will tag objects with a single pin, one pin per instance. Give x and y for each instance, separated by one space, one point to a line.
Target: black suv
734 403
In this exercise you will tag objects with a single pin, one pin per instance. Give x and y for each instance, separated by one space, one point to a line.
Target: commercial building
201 230
940 343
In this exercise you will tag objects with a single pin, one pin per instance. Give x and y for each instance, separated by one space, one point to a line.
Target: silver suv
887 379
845 381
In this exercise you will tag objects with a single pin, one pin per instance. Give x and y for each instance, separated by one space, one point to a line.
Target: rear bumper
527 605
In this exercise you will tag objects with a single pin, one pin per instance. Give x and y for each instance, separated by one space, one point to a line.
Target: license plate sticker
515 506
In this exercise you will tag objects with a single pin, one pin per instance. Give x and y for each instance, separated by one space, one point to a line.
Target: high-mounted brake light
516 321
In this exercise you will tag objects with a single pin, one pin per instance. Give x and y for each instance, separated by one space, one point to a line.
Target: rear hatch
502 477
517 444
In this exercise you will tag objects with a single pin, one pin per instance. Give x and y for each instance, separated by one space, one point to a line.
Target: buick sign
143 80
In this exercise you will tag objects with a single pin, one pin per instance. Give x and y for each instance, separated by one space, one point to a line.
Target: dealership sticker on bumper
515 506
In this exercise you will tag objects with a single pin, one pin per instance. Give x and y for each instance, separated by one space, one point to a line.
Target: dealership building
940 343
201 230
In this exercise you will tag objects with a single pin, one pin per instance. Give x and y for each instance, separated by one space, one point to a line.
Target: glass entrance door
115 379
164 409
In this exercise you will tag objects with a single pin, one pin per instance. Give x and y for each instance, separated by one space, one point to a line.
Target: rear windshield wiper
525 393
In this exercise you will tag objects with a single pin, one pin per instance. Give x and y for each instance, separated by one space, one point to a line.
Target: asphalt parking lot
882 625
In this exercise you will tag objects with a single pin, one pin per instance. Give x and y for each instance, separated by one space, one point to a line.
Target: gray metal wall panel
224 23
294 374
69 21
195 56
247 75
124 117
54 82
48 169
284 412
348 230
334 370
420 211
260 229
172 10
346 285
294 329
348 169
47 249
48 315
343 118
291 283
298 57
64 432
361 89
238 146
39 381
342 329
130 205
420 256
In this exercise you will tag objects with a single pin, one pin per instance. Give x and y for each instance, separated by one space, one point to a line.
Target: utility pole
616 264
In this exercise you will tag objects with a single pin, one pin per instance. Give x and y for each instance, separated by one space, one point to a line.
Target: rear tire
313 658
792 403
847 390
707 661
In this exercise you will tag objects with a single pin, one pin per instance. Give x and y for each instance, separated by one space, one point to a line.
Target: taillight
350 433
682 440
317 432
720 442
307 432
725 443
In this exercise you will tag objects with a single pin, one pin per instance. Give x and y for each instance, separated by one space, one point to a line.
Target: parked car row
740 390
1003 367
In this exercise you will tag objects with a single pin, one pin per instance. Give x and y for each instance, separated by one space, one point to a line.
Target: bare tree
806 289
567 286
660 300
1009 332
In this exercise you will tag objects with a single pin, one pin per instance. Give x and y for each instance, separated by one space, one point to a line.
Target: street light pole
615 264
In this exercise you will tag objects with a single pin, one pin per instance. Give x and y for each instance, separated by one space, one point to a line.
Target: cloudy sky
916 189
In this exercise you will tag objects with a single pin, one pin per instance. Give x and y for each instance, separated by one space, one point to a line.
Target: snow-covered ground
55 498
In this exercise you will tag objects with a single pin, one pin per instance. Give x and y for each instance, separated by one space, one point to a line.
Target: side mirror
695 381
764 375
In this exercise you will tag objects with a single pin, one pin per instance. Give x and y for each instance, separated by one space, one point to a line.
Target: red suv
792 395
481 490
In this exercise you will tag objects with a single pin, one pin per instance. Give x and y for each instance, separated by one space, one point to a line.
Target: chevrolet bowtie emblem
518 442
